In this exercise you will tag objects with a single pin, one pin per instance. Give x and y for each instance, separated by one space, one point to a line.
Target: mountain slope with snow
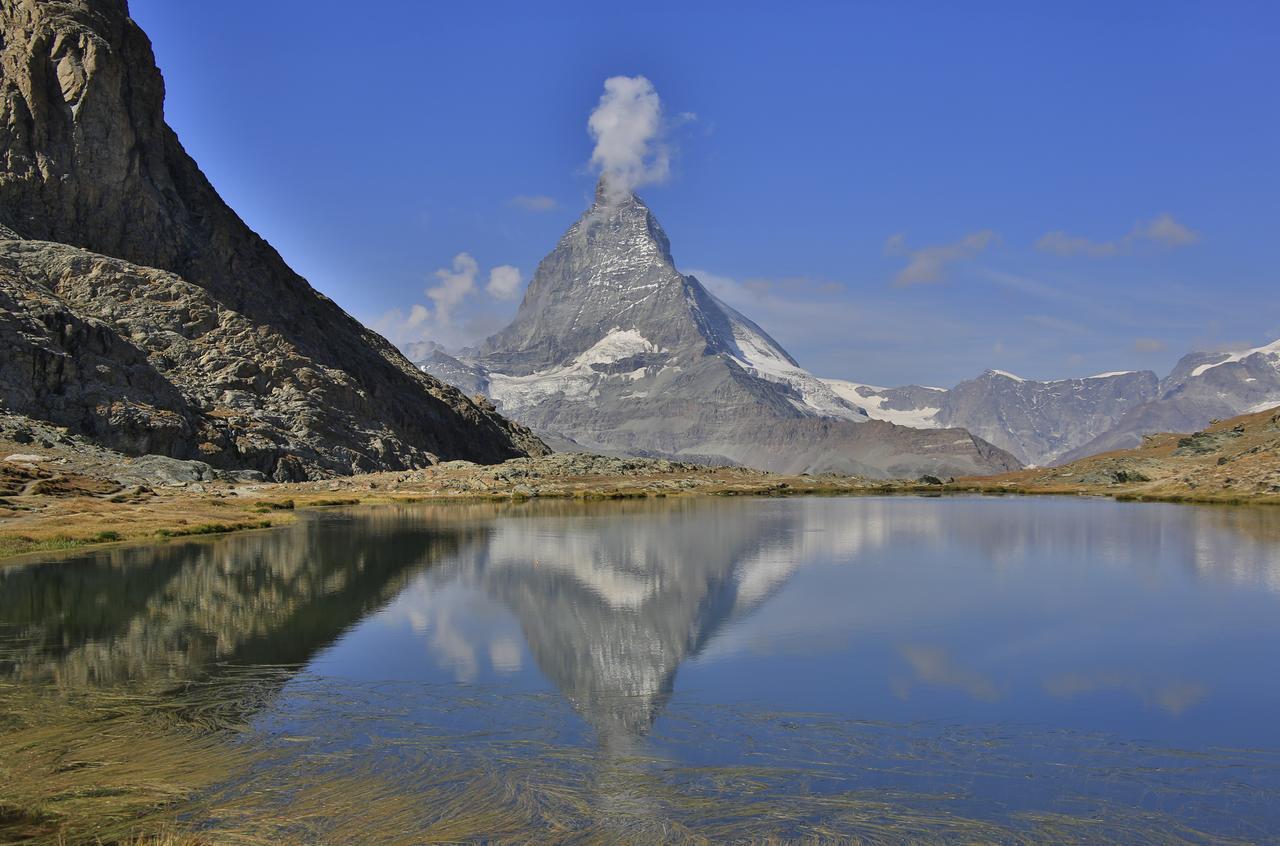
1201 388
615 349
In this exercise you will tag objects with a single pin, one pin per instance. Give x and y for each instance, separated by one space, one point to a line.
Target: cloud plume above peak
628 128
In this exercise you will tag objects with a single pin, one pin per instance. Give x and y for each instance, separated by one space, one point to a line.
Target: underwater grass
187 763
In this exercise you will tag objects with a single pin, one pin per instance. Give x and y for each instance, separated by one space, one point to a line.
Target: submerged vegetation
190 764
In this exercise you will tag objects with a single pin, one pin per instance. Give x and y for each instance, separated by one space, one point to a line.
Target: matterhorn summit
614 349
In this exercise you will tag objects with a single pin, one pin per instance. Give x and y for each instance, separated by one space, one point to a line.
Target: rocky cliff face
1201 388
1040 421
615 349
173 327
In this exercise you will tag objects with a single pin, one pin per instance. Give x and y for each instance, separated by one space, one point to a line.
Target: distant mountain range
1067 419
614 350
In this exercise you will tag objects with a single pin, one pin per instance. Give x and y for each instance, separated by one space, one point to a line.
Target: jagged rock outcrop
136 307
617 350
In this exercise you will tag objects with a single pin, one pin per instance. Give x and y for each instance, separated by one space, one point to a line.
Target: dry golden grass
76 510
76 516
1234 462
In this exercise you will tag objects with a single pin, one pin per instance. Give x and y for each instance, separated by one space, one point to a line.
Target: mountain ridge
206 344
1057 421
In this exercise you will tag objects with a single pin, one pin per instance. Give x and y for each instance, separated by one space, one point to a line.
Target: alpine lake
954 669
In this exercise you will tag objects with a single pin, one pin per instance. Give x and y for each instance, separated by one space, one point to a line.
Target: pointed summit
617 350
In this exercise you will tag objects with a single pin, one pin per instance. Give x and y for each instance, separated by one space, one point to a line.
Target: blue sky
898 192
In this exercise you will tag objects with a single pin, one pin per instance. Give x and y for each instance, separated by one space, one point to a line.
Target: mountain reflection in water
654 620
610 598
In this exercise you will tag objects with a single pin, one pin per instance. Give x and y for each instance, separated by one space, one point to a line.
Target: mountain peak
619 224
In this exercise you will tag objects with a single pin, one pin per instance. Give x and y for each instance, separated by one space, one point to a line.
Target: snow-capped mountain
1038 422
615 349
911 405
1202 387
1067 419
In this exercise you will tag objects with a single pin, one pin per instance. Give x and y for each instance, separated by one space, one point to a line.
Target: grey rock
433 360
1039 422
163 470
142 312
1201 388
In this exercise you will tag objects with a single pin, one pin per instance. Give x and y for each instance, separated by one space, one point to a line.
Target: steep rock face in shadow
86 160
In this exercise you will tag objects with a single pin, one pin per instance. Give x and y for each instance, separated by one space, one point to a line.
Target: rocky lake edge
60 491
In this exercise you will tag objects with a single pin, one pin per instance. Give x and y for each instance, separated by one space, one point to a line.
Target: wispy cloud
1162 230
453 285
437 320
1173 697
504 282
928 264
1149 345
533 202
835 336
630 134
933 666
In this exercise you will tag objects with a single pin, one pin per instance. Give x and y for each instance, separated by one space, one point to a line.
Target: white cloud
628 129
1067 245
438 321
504 282
1163 230
1166 231
927 264
454 285
534 202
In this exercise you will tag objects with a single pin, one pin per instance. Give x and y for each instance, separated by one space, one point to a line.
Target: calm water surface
897 668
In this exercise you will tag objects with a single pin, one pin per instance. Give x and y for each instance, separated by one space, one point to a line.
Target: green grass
282 505
22 544
213 528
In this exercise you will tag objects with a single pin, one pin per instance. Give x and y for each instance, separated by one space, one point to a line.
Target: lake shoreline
50 523
61 495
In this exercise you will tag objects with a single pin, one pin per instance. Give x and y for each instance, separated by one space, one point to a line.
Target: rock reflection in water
177 610
610 598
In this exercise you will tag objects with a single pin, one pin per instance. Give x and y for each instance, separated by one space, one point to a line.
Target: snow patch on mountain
1271 350
1006 374
761 356
878 403
579 378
